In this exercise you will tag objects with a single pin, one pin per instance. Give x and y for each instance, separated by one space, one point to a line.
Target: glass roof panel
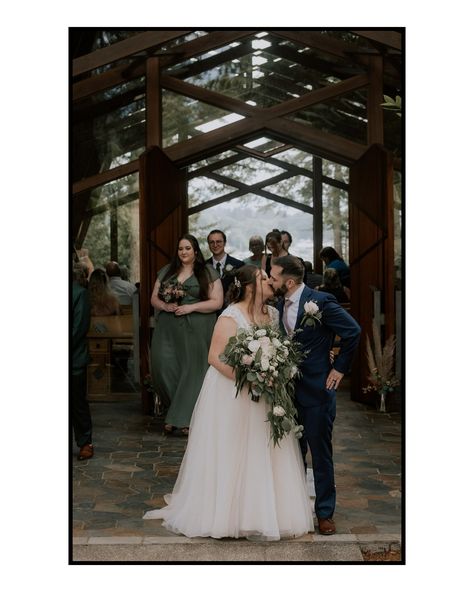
297 188
345 116
210 160
107 135
185 118
263 70
296 157
250 171
202 189
242 217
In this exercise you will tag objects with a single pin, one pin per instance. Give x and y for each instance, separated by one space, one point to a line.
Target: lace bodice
235 313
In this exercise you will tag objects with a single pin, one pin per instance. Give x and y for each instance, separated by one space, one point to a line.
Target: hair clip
237 282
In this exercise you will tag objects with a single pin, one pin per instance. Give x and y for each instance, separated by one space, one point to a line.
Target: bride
233 482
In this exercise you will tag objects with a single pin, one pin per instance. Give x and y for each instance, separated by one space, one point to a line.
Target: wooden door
163 219
371 248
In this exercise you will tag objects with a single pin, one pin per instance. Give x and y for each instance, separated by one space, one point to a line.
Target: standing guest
84 259
312 279
233 482
332 259
186 294
123 289
274 242
103 301
287 239
221 261
81 314
256 246
332 285
315 390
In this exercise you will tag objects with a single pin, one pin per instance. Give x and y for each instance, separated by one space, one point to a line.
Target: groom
315 390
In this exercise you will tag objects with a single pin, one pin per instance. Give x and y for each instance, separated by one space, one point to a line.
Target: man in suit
80 317
315 390
222 262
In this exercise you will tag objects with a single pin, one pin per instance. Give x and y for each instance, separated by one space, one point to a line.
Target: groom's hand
333 379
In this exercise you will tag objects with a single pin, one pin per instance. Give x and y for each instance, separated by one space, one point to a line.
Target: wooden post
317 213
374 101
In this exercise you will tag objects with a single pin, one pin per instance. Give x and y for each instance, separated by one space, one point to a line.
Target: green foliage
393 104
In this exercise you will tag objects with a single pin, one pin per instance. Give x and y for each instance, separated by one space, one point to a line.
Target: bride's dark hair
243 277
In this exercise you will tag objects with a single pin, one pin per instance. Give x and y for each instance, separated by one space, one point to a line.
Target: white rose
254 346
276 342
228 267
265 364
247 360
294 370
278 411
260 332
311 307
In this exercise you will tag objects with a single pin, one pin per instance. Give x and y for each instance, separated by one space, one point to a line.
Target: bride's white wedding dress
233 482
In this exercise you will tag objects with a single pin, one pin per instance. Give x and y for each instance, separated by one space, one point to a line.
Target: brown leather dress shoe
326 526
87 451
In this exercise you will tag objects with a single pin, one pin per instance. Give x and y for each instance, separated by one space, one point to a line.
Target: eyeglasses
216 242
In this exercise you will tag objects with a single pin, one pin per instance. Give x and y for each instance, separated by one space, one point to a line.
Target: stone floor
135 465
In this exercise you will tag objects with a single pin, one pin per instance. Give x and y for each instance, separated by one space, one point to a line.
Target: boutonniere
311 314
228 268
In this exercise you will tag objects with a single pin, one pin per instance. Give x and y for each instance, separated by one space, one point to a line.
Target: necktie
218 268
286 324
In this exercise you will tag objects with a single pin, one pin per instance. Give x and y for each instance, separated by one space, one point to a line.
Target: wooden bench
103 335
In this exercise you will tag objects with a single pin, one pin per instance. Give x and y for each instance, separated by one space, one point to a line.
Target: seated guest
221 261
103 301
312 279
331 258
332 285
122 289
256 246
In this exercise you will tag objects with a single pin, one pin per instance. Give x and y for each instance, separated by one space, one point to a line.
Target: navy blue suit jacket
226 279
310 388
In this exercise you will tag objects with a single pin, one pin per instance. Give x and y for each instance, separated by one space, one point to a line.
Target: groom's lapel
305 296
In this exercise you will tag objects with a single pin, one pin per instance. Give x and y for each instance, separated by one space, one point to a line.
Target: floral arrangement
172 291
381 375
312 314
268 364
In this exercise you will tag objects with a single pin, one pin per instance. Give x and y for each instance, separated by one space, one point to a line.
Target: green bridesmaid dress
179 352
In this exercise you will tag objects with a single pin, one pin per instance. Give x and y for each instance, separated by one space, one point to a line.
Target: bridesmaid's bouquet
172 291
268 363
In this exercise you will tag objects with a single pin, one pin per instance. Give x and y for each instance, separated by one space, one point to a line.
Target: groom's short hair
291 267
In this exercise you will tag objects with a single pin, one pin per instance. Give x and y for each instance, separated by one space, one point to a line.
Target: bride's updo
243 276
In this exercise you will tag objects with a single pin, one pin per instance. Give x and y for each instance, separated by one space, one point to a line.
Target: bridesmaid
183 329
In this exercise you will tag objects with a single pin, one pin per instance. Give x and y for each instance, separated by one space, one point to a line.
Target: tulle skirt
233 481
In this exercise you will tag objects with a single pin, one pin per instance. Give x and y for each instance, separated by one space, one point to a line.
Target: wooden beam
153 103
210 97
123 49
318 96
322 143
389 38
119 75
105 177
216 165
374 101
317 213
317 41
128 72
258 189
212 142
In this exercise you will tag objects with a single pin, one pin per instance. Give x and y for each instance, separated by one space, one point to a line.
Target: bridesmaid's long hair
243 277
200 269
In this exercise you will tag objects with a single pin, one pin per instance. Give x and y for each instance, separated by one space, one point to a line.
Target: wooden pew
104 332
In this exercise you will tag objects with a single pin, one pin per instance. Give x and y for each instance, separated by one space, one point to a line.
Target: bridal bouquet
172 291
268 364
